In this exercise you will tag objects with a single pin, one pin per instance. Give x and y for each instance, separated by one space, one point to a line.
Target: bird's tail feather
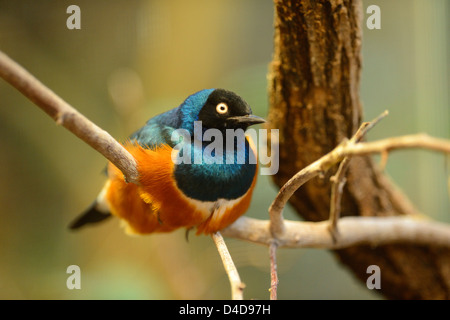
91 216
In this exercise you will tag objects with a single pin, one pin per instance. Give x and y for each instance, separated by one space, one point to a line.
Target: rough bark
314 102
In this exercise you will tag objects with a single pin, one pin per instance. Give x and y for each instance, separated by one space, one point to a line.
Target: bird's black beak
248 120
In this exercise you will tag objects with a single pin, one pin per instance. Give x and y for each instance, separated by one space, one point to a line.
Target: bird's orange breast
157 205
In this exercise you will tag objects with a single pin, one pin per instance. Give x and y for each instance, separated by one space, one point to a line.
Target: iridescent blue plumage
213 181
158 130
203 181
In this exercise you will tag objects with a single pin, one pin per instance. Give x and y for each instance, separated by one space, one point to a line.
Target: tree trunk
314 102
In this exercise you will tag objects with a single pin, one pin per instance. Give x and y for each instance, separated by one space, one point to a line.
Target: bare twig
366 126
420 140
346 148
383 160
352 231
237 287
68 117
276 208
273 270
339 180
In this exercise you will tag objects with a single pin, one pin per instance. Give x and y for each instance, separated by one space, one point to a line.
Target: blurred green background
134 59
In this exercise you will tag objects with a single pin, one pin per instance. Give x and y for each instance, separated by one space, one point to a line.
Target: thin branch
276 208
383 160
339 180
421 140
337 187
68 117
273 270
344 149
366 126
352 231
237 287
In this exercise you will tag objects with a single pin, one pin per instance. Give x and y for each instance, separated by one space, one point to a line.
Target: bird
208 191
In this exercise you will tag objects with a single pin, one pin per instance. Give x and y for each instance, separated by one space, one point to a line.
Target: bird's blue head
217 108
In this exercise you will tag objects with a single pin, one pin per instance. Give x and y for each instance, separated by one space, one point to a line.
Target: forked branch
346 148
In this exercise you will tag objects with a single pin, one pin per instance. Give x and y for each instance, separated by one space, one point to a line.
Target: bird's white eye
222 108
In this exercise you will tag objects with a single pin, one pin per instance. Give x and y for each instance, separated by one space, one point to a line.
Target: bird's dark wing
90 216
